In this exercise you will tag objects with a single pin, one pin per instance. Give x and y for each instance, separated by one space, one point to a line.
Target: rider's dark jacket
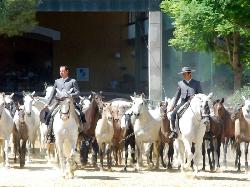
65 85
187 89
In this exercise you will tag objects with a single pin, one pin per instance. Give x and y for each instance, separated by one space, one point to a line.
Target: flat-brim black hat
186 70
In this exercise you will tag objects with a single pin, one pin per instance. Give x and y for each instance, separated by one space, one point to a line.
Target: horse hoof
164 165
125 169
110 169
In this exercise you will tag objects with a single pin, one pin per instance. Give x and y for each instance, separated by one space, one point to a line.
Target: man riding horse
186 89
65 85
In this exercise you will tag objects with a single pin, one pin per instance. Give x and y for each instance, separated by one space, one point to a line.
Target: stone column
155 55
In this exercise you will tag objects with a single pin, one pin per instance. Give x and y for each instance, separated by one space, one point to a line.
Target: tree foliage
17 16
221 26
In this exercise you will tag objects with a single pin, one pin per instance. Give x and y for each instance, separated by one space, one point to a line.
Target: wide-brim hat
186 70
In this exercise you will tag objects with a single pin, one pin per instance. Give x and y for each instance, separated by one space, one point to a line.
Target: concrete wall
90 40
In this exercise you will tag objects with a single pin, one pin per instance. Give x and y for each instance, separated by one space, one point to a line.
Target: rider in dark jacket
186 88
65 85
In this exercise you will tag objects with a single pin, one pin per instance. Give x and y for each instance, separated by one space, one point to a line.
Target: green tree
219 26
17 16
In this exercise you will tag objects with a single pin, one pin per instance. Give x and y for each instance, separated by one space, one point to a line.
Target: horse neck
144 114
193 108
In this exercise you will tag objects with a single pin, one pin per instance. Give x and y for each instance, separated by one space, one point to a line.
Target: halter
67 114
205 114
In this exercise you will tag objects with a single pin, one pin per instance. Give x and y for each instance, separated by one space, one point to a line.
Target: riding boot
50 137
174 130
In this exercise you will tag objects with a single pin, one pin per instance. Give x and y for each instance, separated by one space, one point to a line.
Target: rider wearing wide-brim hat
185 90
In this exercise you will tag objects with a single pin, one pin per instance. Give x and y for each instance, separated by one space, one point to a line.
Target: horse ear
45 85
222 100
90 96
24 94
133 98
210 95
81 97
243 97
12 95
33 93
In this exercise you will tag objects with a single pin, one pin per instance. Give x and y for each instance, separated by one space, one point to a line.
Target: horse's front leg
101 153
189 154
225 145
59 146
109 157
246 152
126 155
6 151
157 151
139 156
149 154
29 151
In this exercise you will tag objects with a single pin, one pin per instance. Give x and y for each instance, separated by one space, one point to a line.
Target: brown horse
118 134
242 132
87 137
164 137
224 127
20 136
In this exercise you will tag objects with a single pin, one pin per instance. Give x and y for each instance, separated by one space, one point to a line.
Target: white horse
6 127
104 133
146 129
45 149
32 120
192 127
66 133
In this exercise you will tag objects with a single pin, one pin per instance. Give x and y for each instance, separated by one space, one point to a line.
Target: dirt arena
41 173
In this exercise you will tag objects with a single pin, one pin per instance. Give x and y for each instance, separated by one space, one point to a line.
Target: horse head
10 104
218 107
28 101
2 103
246 108
200 103
97 98
107 112
139 104
65 104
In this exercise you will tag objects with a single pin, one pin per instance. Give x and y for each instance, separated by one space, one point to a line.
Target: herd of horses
113 126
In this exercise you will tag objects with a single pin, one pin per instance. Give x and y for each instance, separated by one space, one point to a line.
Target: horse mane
119 99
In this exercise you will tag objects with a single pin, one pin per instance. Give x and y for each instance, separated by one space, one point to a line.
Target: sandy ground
40 173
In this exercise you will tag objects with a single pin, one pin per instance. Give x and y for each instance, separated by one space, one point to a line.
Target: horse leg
115 151
197 156
161 155
22 149
126 155
203 155
109 157
157 151
101 152
238 156
94 153
59 146
170 154
139 156
225 145
246 152
148 151
84 150
29 151
189 154
6 155
210 152
217 145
